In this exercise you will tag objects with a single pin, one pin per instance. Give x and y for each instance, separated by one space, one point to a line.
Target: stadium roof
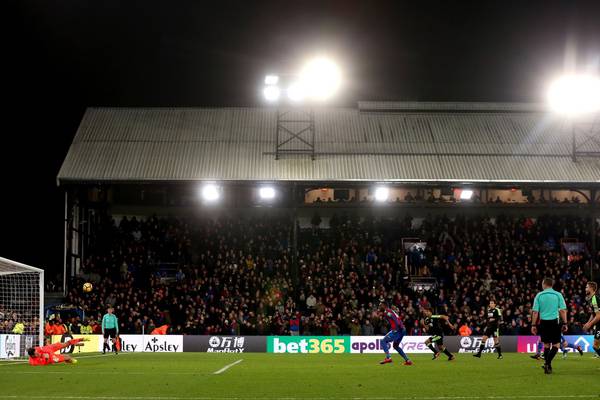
379 141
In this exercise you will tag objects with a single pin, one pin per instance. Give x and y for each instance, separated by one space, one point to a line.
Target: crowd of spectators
16 321
235 276
351 266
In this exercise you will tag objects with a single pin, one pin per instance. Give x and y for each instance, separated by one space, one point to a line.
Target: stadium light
271 80
382 193
575 94
271 93
266 193
321 78
318 80
296 92
466 194
211 192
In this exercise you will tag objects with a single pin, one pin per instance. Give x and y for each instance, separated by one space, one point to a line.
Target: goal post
21 308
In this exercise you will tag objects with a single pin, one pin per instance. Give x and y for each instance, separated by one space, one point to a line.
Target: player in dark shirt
492 329
434 324
593 298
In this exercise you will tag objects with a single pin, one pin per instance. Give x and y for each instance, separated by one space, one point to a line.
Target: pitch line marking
584 396
101 373
225 368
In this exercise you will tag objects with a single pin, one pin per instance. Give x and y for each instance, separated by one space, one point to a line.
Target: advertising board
93 346
225 344
528 344
372 344
129 343
308 344
10 346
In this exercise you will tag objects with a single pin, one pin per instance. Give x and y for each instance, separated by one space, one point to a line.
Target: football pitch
147 376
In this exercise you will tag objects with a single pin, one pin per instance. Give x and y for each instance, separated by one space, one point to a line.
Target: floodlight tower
578 98
294 95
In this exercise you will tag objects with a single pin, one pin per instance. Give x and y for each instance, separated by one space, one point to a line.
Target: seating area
238 276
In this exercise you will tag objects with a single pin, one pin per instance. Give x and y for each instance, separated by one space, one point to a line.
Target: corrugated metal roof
482 142
448 106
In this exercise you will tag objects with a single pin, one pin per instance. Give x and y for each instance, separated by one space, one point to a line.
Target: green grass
275 376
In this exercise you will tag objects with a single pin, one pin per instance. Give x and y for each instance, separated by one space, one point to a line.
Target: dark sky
65 55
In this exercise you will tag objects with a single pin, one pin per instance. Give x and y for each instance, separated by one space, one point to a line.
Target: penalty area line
225 368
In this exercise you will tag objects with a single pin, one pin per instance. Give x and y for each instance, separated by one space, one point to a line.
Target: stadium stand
234 276
200 272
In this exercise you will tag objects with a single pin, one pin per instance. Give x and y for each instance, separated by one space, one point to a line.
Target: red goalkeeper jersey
46 353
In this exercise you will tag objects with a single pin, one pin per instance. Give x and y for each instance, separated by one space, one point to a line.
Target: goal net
21 308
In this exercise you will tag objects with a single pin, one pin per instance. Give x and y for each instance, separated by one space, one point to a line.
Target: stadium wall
302 344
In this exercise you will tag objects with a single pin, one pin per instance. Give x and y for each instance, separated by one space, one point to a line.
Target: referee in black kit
548 306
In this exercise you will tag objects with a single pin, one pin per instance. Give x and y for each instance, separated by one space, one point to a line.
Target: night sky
65 55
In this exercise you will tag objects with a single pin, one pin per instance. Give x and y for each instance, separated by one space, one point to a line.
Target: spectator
355 329
295 325
464 330
367 328
86 329
311 302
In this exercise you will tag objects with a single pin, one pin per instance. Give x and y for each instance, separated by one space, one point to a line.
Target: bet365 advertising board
308 344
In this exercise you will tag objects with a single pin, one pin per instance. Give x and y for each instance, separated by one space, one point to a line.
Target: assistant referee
548 306
110 329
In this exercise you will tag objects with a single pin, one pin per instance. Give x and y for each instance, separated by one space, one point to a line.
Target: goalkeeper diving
46 355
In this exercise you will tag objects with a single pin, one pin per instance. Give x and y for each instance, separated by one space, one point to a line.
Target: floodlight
575 94
296 92
382 193
210 192
466 194
271 93
266 193
321 77
271 80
